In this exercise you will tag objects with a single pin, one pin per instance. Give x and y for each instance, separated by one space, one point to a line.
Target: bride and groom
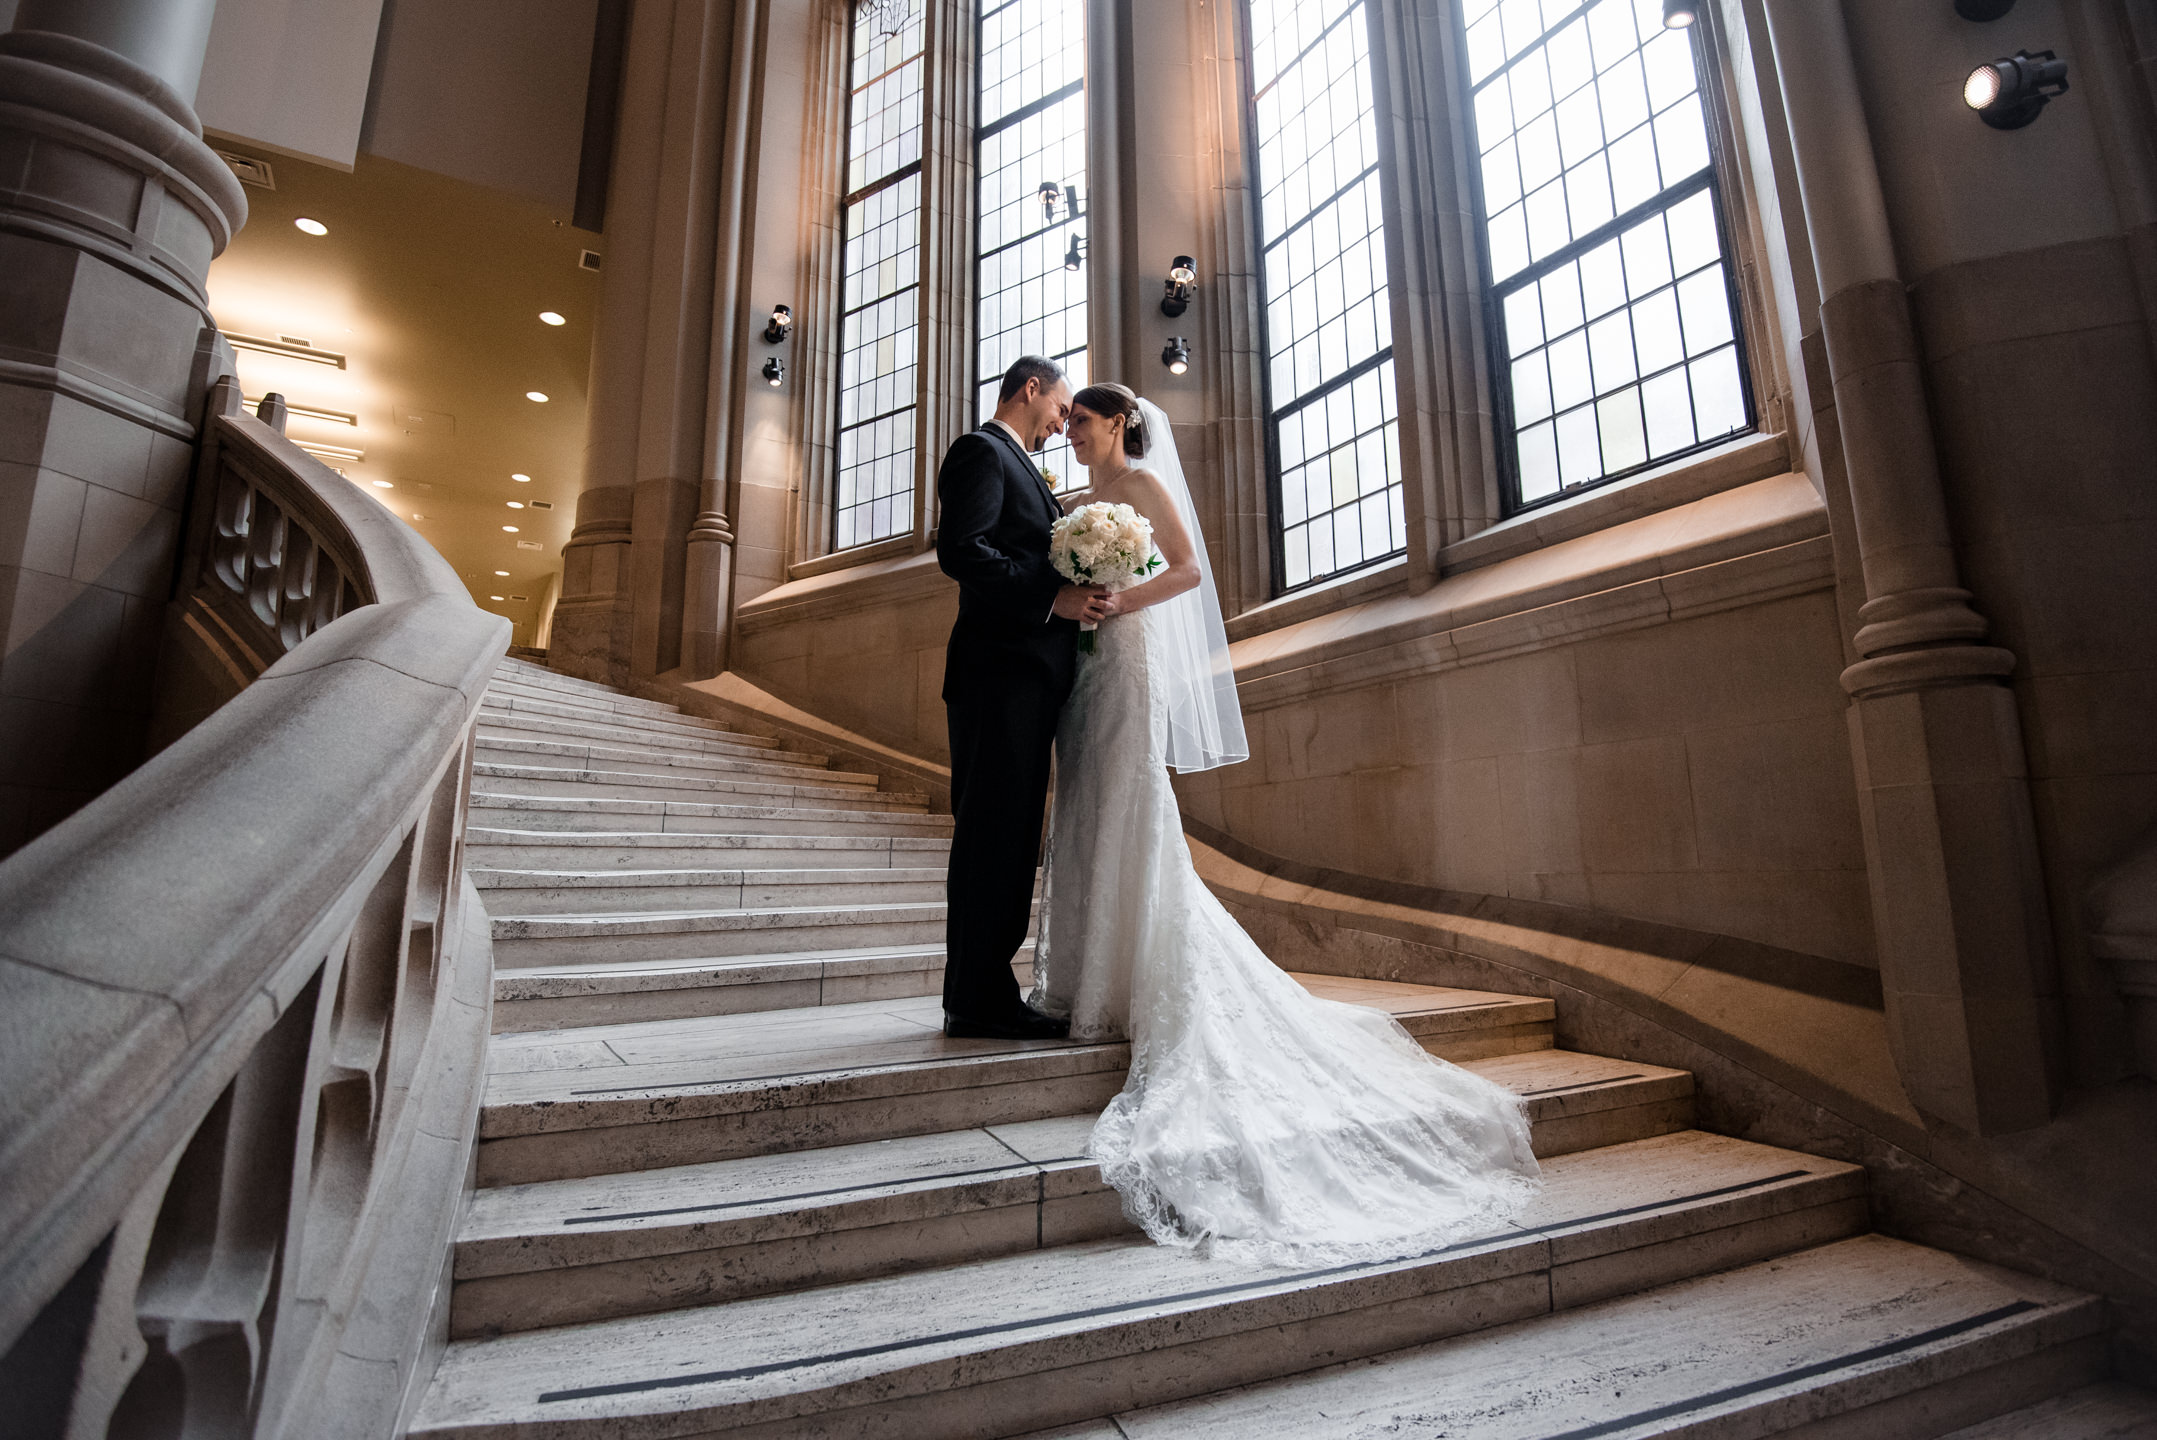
1257 1121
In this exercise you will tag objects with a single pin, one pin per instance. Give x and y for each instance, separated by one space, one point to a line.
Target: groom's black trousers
1001 739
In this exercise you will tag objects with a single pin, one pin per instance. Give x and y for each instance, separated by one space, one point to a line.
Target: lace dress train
1258 1122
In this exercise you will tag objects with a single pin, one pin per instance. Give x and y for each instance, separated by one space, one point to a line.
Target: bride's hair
1112 401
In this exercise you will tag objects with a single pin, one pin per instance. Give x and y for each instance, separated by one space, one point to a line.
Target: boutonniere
1055 480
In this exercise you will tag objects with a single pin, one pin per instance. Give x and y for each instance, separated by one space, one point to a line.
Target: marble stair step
569 997
534 678
593 698
567 1252
1054 1335
529 941
501 748
562 1104
598 781
497 720
498 703
588 812
1864 1339
587 892
493 847
2108 1410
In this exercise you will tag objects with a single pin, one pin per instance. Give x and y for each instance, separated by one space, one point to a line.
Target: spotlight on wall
1982 10
1677 14
1176 296
1076 255
2008 94
1048 192
774 372
781 326
1176 354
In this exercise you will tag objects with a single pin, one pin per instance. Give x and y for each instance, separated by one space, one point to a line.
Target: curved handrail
220 981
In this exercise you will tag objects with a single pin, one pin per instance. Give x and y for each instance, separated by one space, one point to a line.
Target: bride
1258 1122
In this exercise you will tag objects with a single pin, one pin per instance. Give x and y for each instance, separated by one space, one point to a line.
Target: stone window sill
1740 462
1386 578
896 577
849 559
1744 544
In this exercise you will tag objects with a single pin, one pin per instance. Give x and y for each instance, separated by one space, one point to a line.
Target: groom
1007 671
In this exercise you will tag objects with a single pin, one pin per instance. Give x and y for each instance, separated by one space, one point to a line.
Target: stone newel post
111 209
1958 903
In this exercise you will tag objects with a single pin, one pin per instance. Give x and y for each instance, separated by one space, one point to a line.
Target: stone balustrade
244 998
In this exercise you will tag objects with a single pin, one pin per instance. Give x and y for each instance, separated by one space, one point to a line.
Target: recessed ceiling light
516 504
417 516
494 597
384 485
312 227
510 528
522 479
537 397
503 573
551 318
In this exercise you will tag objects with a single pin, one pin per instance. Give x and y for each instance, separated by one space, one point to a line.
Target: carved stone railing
244 999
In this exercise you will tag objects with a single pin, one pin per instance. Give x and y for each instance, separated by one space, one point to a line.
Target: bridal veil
1205 720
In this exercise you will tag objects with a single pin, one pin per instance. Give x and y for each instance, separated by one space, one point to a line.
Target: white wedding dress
1259 1122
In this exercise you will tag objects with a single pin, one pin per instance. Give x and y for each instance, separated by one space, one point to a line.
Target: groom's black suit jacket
992 536
1007 673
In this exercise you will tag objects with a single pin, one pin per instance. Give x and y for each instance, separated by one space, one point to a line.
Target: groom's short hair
1029 367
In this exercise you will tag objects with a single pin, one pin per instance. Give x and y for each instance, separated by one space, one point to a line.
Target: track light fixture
2008 94
1982 10
1677 14
781 326
1176 290
1176 354
1076 255
1048 192
774 371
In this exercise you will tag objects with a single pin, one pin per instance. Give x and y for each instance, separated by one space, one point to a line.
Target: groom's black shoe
1027 1024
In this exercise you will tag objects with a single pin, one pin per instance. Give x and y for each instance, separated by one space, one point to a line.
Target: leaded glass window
1328 332
880 323
1615 331
1031 157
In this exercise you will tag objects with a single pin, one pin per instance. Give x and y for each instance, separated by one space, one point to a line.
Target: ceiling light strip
268 346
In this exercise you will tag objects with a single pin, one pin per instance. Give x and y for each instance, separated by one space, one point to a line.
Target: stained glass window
1031 154
1328 332
880 321
1616 336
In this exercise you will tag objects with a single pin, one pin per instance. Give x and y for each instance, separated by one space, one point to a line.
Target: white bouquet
1106 545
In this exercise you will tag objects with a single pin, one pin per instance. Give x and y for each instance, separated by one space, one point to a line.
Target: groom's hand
1082 602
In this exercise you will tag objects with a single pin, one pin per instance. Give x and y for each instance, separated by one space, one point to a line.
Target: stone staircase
734 1181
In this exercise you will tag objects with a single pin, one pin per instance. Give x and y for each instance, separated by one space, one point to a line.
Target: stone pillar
1958 901
652 356
709 564
167 38
111 209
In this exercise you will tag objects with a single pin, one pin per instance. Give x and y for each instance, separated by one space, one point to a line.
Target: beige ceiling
432 288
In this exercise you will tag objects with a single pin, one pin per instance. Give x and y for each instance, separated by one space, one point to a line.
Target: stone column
621 612
1958 902
709 564
111 209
